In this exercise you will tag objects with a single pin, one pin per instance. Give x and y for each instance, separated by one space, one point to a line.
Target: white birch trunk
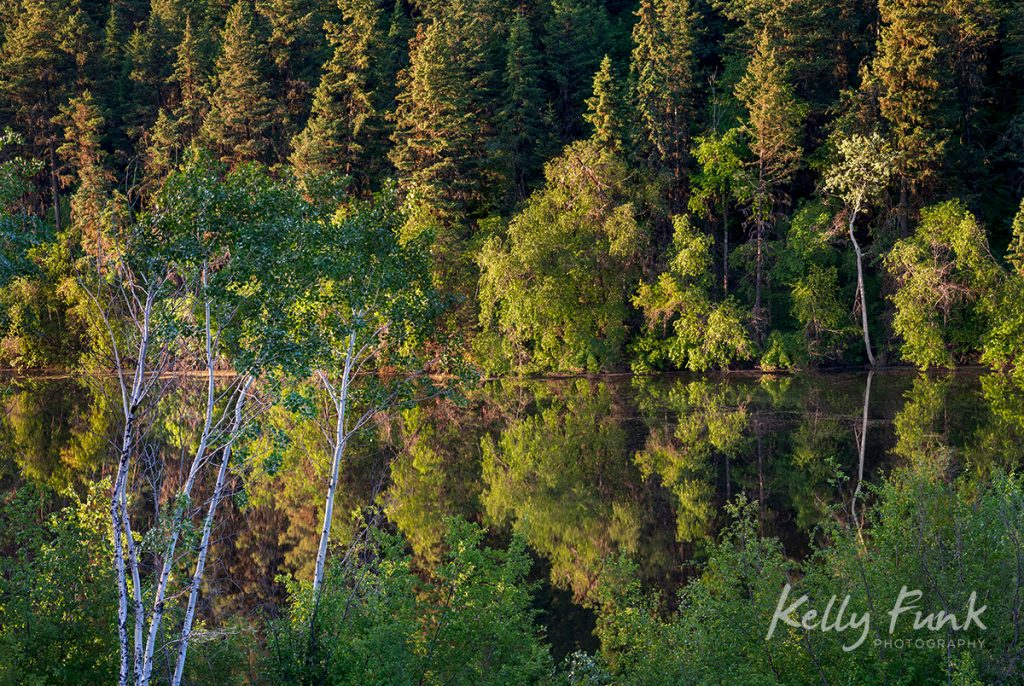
860 285
120 521
167 566
341 403
204 546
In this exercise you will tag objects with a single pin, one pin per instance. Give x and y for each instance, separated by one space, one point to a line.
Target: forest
433 342
600 185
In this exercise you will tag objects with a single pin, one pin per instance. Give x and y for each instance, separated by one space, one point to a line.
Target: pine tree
190 78
296 50
346 132
813 37
41 59
241 118
400 32
662 72
575 36
86 166
111 81
773 127
523 121
915 93
148 72
440 135
605 109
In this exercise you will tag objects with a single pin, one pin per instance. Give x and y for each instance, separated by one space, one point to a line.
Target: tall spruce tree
241 118
296 49
663 82
915 94
86 169
606 109
524 119
575 39
441 140
347 131
772 128
43 53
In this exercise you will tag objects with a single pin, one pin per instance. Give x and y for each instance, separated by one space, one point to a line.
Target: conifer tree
346 132
85 166
773 126
295 49
662 72
241 117
41 58
190 78
605 109
915 93
148 72
400 32
441 136
576 34
524 119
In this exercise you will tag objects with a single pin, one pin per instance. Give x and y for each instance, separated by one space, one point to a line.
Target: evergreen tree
241 118
441 140
86 167
524 119
663 78
813 37
605 109
190 76
575 38
773 126
346 133
41 59
400 32
915 95
296 50
148 72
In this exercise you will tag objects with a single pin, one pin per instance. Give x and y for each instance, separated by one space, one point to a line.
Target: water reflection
583 469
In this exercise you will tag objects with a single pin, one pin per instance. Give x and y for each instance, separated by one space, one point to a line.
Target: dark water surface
583 469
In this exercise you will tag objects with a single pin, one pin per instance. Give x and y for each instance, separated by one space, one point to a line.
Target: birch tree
861 172
371 304
134 291
210 260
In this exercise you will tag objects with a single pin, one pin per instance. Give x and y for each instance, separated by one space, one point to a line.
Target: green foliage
376 622
525 121
19 230
605 109
241 111
556 288
718 633
551 475
946 278
57 602
684 326
663 72
346 134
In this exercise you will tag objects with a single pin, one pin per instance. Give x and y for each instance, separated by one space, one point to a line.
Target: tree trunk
204 546
116 521
341 402
860 286
160 594
725 247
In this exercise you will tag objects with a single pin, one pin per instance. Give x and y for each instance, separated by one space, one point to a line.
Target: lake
583 469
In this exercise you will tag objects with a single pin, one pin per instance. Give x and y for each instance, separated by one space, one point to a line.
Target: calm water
582 469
